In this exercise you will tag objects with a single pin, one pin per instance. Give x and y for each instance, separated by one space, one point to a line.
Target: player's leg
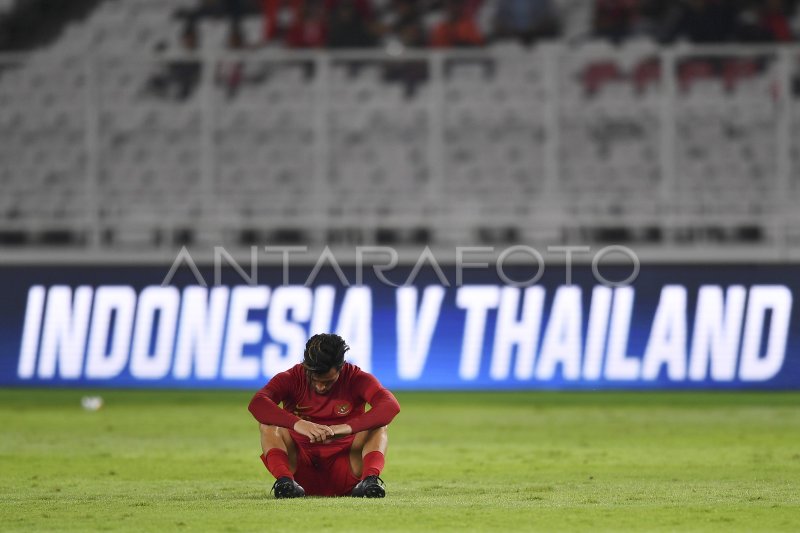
367 458
280 458
278 438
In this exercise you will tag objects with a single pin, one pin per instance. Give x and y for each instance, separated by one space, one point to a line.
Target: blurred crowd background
451 23
147 124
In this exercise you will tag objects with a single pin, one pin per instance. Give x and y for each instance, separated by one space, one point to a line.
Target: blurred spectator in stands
275 13
613 19
285 17
400 25
647 18
701 21
459 28
749 28
233 10
309 26
230 71
350 27
180 77
793 11
574 19
774 22
526 20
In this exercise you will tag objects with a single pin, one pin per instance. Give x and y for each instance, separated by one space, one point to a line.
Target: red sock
373 464
277 462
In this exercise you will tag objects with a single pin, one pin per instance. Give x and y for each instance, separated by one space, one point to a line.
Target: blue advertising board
673 327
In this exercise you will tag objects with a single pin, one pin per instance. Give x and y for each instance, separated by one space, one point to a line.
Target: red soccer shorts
324 469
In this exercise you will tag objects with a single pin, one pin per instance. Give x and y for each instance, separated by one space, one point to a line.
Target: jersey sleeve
364 385
264 405
383 405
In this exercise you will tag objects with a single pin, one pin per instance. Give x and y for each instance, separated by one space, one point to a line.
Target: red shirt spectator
298 12
459 28
309 27
775 23
271 9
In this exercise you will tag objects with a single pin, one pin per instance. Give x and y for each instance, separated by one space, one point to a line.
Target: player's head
323 359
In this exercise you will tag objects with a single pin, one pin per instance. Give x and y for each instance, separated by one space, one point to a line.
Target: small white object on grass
92 403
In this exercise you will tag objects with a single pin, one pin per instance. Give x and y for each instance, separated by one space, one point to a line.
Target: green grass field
188 461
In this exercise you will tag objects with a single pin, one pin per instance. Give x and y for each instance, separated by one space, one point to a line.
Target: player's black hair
323 352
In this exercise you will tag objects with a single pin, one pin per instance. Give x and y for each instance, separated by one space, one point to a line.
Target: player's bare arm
341 430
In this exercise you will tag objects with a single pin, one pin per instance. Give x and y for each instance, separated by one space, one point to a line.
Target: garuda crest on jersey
342 408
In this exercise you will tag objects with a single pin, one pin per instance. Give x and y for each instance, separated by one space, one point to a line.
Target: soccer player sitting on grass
322 442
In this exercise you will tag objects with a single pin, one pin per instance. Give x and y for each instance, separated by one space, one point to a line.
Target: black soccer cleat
286 487
369 487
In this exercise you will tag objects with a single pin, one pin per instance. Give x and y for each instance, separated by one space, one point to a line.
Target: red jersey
343 404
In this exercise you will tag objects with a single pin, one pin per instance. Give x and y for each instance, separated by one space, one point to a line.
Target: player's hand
341 430
314 432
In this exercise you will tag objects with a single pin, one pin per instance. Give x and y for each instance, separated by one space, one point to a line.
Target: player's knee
270 431
378 435
382 432
379 438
